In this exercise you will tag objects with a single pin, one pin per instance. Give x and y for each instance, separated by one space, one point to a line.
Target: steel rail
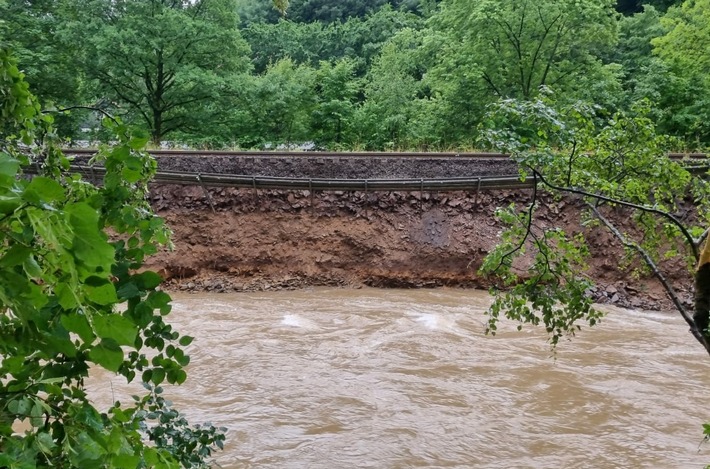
306 154
325 184
331 154
265 182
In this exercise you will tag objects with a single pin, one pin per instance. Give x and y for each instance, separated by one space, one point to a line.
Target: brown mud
243 240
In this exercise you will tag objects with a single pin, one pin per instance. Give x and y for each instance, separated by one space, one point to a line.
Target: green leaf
60 342
67 296
148 280
142 314
157 376
130 175
159 300
128 291
107 354
9 203
121 152
103 294
42 190
44 442
37 415
125 460
32 268
89 244
116 327
78 324
138 141
181 358
8 170
134 163
20 407
13 365
185 340
16 255
117 443
87 452
176 376
151 457
8 165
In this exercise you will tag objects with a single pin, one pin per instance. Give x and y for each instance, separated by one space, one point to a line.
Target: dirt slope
241 240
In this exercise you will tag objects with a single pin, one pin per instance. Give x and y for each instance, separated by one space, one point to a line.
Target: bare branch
659 275
699 240
689 239
89 108
528 231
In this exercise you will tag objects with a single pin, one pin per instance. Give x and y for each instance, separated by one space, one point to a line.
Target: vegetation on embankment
367 74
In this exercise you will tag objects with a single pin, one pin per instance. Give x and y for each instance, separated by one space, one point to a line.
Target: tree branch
702 238
89 108
659 275
689 239
528 231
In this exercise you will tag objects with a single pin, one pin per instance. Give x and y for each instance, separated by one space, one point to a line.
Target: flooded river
331 378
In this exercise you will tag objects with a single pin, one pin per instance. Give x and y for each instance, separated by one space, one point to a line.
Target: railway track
307 154
324 184
487 171
354 154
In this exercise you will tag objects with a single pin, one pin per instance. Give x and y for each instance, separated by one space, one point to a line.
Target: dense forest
355 74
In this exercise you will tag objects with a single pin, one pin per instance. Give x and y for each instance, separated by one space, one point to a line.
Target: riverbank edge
615 294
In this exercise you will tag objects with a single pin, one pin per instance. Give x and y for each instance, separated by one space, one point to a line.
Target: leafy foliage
620 165
180 69
276 105
392 87
322 11
514 47
62 278
685 84
313 42
33 31
336 94
165 62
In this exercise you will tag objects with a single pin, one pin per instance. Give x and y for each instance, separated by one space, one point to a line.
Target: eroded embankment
269 240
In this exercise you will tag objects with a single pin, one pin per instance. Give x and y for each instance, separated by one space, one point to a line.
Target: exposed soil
242 240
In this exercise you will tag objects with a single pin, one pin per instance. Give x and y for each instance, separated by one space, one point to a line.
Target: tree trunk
702 291
157 131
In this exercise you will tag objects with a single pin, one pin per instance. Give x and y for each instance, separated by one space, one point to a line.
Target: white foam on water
294 320
436 321
430 321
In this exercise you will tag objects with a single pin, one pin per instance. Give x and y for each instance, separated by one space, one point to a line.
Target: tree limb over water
619 170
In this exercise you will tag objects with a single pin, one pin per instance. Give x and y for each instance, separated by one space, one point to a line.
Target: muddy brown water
331 378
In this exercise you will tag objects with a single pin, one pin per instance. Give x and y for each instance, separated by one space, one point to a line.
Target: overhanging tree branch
686 234
528 228
697 333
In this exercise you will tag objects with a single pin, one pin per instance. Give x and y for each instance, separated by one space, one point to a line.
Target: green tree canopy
165 62
313 42
274 107
682 76
514 47
337 91
32 30
392 86
687 41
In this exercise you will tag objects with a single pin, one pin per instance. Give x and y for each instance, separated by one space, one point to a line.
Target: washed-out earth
228 239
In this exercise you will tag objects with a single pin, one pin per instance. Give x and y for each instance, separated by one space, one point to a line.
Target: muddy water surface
330 378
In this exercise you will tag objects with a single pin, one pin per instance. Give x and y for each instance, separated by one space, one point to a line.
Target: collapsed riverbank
229 240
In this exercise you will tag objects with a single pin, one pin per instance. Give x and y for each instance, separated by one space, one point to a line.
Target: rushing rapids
334 378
